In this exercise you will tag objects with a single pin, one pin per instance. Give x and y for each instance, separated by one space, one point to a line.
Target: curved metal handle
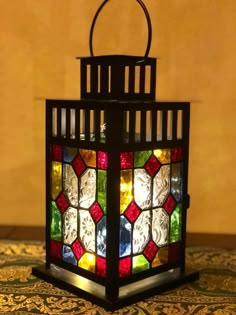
149 24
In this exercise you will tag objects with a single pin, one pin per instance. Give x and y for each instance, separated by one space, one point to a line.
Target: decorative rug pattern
23 294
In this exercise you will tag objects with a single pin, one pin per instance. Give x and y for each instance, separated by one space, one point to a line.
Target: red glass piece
77 249
174 253
96 212
132 212
176 154
169 204
124 267
152 165
62 203
102 160
126 160
78 165
150 250
55 249
56 152
101 267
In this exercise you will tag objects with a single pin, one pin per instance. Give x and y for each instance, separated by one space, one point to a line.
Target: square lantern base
128 294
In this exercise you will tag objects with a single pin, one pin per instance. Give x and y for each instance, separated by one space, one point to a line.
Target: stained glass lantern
116 183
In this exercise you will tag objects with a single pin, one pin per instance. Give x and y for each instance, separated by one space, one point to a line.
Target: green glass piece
141 157
56 176
102 189
175 224
140 263
55 227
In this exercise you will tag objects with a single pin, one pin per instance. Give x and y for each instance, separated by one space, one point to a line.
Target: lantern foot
128 294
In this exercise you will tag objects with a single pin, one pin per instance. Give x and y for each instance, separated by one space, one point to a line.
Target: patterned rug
23 294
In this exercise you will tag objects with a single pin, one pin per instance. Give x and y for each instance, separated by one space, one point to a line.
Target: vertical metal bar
131 79
104 79
142 79
132 127
94 78
83 78
87 124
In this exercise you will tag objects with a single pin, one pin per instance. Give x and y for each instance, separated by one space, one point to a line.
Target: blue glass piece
177 181
69 154
102 237
125 237
68 255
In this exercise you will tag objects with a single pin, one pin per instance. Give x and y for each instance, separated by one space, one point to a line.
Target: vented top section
118 77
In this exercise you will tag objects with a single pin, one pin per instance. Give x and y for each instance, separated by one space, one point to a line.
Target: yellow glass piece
89 157
87 262
126 186
161 257
56 183
163 155
140 263
156 261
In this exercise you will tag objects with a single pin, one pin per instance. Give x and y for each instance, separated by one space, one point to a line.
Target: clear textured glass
89 157
56 182
142 188
87 188
141 232
55 227
87 230
125 237
70 227
175 224
68 255
140 263
70 184
102 237
160 226
102 189
126 186
177 181
161 185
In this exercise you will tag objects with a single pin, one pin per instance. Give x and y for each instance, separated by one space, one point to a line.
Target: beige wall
195 41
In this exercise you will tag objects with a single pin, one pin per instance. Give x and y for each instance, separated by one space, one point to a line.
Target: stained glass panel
141 232
142 188
89 157
161 185
177 181
126 186
70 225
102 237
56 184
175 224
125 237
70 184
87 188
160 226
55 227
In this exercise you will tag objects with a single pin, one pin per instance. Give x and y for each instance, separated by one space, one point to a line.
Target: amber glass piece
55 227
125 267
175 224
56 152
88 262
126 195
140 158
152 165
163 155
89 157
140 263
56 182
102 189
126 160
161 257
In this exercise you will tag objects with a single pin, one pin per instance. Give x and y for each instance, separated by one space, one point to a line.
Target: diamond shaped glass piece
68 255
77 249
70 225
89 157
126 186
87 188
152 165
96 212
78 165
160 227
125 237
163 155
126 160
132 212
87 230
161 185
169 204
150 250
62 203
125 267
176 154
102 237
70 184
142 188
102 160
141 232
56 152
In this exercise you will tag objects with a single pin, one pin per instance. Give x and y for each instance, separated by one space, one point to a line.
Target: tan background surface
195 41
